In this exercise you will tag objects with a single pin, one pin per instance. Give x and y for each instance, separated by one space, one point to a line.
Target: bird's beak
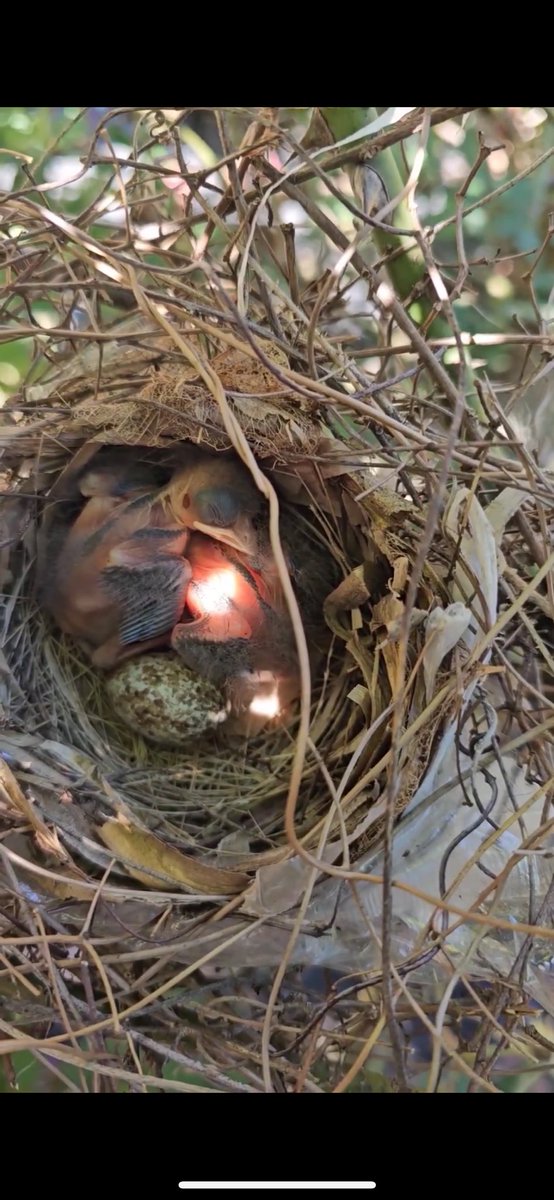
242 538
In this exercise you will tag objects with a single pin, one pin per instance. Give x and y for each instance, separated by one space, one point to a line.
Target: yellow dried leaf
400 577
49 843
391 656
157 865
12 795
71 889
387 611
360 695
357 620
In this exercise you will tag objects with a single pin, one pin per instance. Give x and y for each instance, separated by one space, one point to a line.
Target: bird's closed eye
217 506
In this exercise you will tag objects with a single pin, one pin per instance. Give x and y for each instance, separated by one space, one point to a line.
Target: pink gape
240 636
223 598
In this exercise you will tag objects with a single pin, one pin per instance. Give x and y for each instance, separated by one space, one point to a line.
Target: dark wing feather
151 597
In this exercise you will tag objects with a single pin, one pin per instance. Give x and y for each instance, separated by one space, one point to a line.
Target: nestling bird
214 494
225 595
117 579
241 638
209 492
239 625
117 473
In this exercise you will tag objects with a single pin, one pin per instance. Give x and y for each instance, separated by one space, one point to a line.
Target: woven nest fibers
97 788
157 854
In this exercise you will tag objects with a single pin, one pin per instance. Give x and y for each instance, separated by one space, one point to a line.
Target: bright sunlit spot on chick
265 706
212 595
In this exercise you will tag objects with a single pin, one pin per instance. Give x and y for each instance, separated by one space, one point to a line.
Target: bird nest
221 799
414 765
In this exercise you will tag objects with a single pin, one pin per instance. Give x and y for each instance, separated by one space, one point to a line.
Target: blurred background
508 293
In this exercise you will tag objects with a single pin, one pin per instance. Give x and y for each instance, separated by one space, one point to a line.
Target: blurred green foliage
46 146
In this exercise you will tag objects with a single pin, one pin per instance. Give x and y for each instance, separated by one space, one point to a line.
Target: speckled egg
158 697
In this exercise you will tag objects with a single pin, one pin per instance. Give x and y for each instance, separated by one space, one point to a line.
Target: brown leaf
349 594
157 865
318 133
